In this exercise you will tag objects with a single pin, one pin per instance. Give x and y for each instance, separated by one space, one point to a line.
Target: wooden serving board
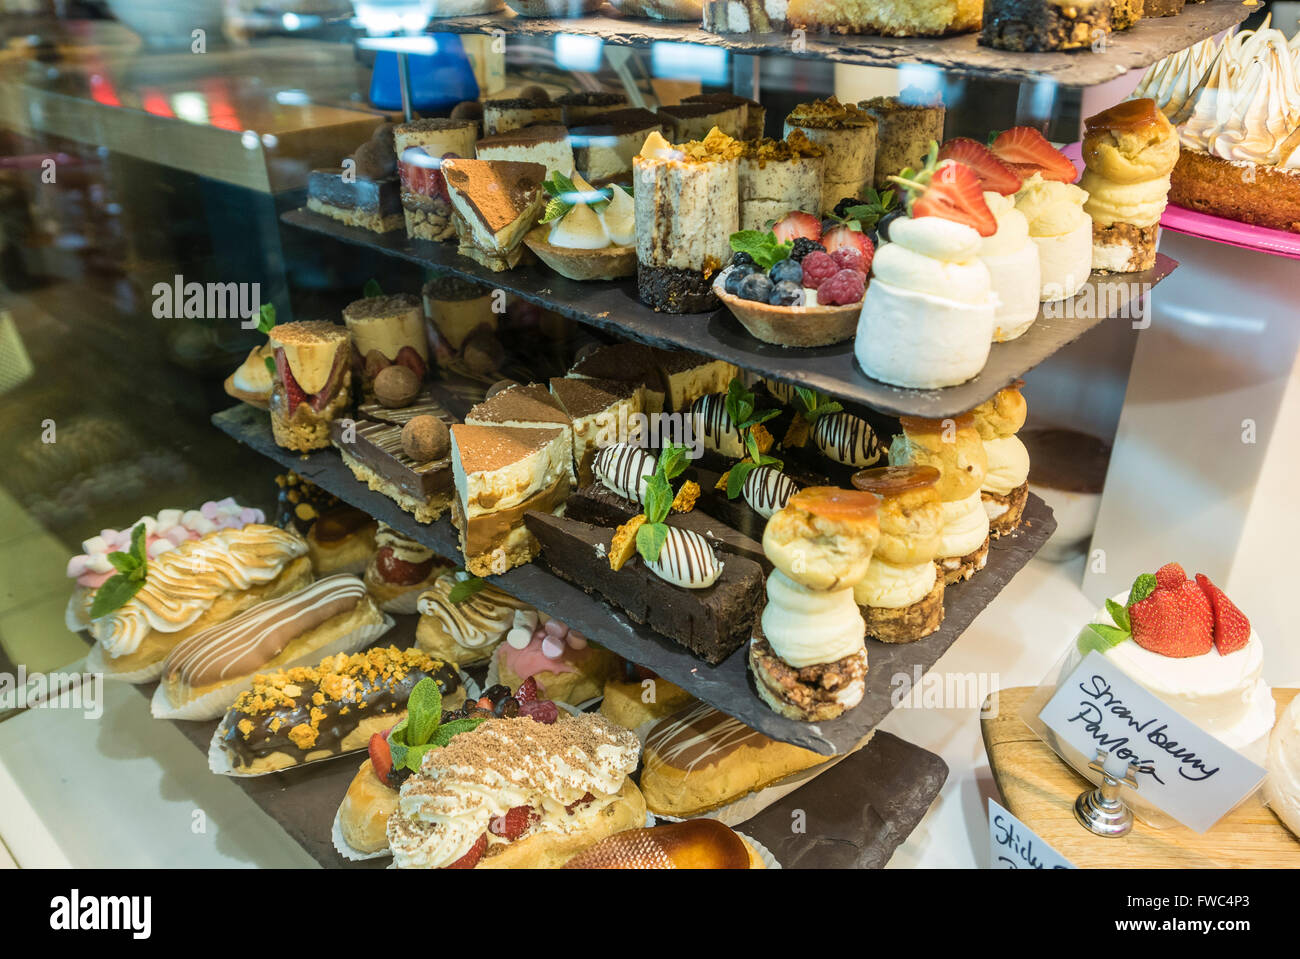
1040 789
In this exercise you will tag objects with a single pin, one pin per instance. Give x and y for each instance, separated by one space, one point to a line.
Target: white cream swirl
1171 81
935 256
965 526
887 586
183 583
482 619
1008 464
807 626
1052 208
1013 229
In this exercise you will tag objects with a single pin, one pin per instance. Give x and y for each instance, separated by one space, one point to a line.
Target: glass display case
768 403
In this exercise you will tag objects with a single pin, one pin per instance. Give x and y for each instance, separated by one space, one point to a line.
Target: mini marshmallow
519 637
96 544
167 518
552 649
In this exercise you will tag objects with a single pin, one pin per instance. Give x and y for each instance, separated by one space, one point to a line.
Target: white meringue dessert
1012 260
1062 231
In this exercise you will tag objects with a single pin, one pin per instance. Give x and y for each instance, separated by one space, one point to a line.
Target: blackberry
802 247
741 258
842 208
788 270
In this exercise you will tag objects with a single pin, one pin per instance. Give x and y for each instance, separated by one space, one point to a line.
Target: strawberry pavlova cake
1185 642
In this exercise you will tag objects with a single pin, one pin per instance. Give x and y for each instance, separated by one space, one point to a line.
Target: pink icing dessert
549 647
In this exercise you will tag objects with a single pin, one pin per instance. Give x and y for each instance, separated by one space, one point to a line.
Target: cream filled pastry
586 233
928 314
464 625
965 528
400 570
1282 788
1129 151
566 667
806 626
1005 488
1012 260
1063 233
566 781
901 597
251 381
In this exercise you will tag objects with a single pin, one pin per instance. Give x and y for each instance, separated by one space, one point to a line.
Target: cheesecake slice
501 473
847 134
601 411
693 121
603 146
779 176
688 376
712 622
502 116
495 203
753 115
524 407
547 144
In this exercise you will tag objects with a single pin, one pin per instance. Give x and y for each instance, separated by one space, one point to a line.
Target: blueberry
787 270
756 287
786 293
734 278
741 258
882 226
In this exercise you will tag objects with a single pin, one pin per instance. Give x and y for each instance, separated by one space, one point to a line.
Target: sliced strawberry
573 807
293 393
1170 576
1174 622
540 710
1231 627
527 691
993 173
398 571
381 757
954 193
471 858
844 238
1027 152
334 383
514 823
413 361
798 224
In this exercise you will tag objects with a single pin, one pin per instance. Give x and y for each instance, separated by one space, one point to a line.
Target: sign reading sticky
1181 769
1013 845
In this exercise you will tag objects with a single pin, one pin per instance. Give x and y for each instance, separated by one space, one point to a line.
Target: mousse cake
374 205
600 411
458 308
421 147
502 473
547 144
581 106
848 135
495 205
633 363
693 121
502 116
525 407
604 146
778 176
311 384
386 330
753 115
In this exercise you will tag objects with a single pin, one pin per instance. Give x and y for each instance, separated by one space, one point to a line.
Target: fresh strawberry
953 193
293 393
1175 622
1170 576
1231 627
471 858
993 174
413 361
514 823
381 757
540 710
398 571
847 238
1027 152
527 691
798 224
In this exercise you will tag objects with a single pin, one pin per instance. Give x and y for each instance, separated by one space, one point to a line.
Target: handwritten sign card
1013 845
1181 768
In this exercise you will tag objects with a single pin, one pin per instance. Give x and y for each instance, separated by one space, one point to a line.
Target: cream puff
400 570
342 540
952 446
464 630
1054 212
901 597
1006 484
564 665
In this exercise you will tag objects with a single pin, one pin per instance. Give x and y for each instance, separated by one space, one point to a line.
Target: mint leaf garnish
672 461
737 475
270 364
466 588
1143 587
454 728
266 317
1100 637
132 569
650 539
1119 614
372 288
658 499
814 405
767 251
423 711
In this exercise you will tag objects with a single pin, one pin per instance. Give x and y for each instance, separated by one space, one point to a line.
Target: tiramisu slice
600 412
753 115
501 473
386 330
582 106
848 135
311 383
778 176
502 116
524 407
604 146
633 363
693 121
547 144
687 207
421 147
495 203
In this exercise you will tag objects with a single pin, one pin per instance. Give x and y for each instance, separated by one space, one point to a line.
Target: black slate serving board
613 306
727 686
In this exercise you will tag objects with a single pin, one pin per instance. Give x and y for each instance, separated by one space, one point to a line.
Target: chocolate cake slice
712 622
373 451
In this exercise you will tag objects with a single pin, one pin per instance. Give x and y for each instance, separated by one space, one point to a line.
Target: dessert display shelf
1138 47
1040 789
613 306
727 686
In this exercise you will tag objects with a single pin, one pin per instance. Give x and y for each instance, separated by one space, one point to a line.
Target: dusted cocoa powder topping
485 449
498 190
374 306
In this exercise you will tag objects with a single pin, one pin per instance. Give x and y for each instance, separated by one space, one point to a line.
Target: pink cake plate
1215 228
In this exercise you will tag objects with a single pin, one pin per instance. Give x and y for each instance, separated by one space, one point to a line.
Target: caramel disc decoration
887 481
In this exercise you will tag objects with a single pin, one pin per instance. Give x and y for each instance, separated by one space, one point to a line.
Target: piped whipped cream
889 586
934 257
1008 464
965 526
1012 261
164 532
480 620
807 626
1282 788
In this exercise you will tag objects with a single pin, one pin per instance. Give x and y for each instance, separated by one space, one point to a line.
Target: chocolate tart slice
712 622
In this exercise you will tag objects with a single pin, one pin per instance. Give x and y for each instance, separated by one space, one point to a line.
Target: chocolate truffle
396 386
425 438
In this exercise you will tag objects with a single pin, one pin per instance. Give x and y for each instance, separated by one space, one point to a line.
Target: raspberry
527 691
818 267
846 286
849 260
541 710
802 247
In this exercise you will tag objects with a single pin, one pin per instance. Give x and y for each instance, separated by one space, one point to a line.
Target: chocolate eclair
309 713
